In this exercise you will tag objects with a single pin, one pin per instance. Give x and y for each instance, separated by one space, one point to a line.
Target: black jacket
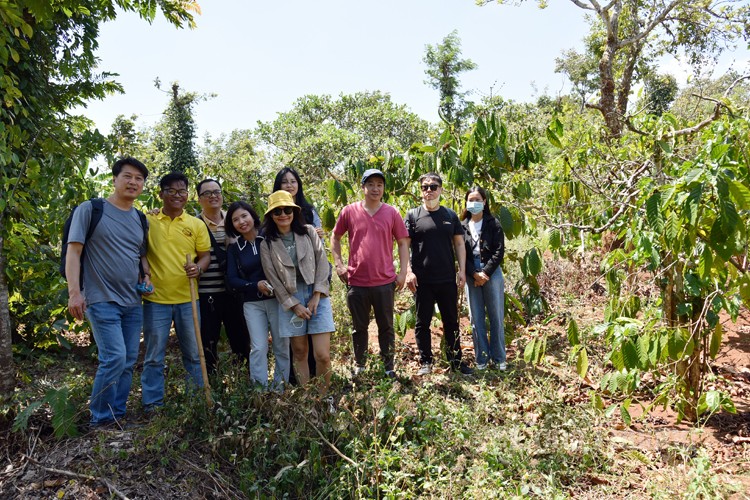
491 245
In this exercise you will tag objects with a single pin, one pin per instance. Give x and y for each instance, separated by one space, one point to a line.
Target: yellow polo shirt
169 240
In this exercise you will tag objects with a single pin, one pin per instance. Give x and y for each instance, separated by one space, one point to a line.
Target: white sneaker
358 370
481 366
425 369
502 366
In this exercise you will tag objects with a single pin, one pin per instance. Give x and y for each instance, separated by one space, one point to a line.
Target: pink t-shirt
370 243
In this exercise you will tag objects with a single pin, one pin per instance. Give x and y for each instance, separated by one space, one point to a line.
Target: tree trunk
7 370
607 104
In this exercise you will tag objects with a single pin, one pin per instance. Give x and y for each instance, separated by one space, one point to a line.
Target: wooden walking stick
196 324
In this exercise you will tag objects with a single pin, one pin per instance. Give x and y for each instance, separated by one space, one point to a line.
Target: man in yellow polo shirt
172 235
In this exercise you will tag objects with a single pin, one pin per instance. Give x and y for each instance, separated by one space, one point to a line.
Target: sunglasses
286 210
430 187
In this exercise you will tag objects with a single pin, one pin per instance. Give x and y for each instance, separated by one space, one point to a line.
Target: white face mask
432 204
475 207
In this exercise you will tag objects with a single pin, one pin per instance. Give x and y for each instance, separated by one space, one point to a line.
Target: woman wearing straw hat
294 261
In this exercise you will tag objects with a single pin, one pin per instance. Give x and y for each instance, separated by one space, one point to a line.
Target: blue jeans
117 331
488 302
261 316
157 321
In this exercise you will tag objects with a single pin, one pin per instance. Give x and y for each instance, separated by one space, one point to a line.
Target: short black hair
204 181
171 178
129 160
233 207
431 175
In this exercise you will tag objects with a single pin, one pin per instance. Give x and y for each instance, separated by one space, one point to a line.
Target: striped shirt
212 280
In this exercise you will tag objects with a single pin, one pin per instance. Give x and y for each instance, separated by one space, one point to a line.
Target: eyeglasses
297 322
286 210
430 187
173 192
208 194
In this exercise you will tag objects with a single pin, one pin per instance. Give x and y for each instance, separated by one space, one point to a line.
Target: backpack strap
97 209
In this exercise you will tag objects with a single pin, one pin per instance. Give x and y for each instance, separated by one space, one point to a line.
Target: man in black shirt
436 241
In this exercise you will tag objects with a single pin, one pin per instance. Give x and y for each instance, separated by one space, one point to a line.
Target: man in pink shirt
372 226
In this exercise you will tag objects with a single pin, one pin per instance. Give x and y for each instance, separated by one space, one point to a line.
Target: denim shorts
291 325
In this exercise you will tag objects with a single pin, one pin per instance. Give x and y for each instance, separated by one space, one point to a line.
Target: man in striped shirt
217 305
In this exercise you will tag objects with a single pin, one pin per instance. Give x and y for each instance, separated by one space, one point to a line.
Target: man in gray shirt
108 296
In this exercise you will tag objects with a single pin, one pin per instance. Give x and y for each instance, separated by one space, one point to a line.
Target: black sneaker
390 374
462 368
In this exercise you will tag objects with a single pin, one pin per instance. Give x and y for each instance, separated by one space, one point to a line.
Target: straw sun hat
280 198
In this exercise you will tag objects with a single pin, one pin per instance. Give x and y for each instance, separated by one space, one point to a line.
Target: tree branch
651 26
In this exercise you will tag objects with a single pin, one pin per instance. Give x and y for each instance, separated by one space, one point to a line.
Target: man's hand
343 273
192 270
77 305
461 279
401 280
411 282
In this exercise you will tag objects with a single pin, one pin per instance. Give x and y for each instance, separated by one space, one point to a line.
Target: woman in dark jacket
245 276
485 286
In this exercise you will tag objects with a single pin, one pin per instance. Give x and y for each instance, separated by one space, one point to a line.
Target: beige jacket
280 270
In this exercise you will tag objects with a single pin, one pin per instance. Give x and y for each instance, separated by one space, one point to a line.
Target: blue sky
260 56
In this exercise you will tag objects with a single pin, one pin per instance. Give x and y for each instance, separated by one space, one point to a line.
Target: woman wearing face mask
485 286
294 261
245 276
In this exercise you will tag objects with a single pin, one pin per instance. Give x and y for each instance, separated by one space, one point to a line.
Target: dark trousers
217 309
360 300
446 297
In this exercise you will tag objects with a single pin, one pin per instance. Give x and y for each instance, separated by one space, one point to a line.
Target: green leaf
665 146
728 216
740 193
692 203
597 401
629 355
672 228
506 221
716 337
642 347
552 138
21 421
528 352
610 410
616 358
534 262
573 337
555 239
653 212
718 150
582 363
653 351
705 262
624 413
712 400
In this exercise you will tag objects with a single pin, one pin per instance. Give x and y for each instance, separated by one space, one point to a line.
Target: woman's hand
265 288
302 312
480 278
312 305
